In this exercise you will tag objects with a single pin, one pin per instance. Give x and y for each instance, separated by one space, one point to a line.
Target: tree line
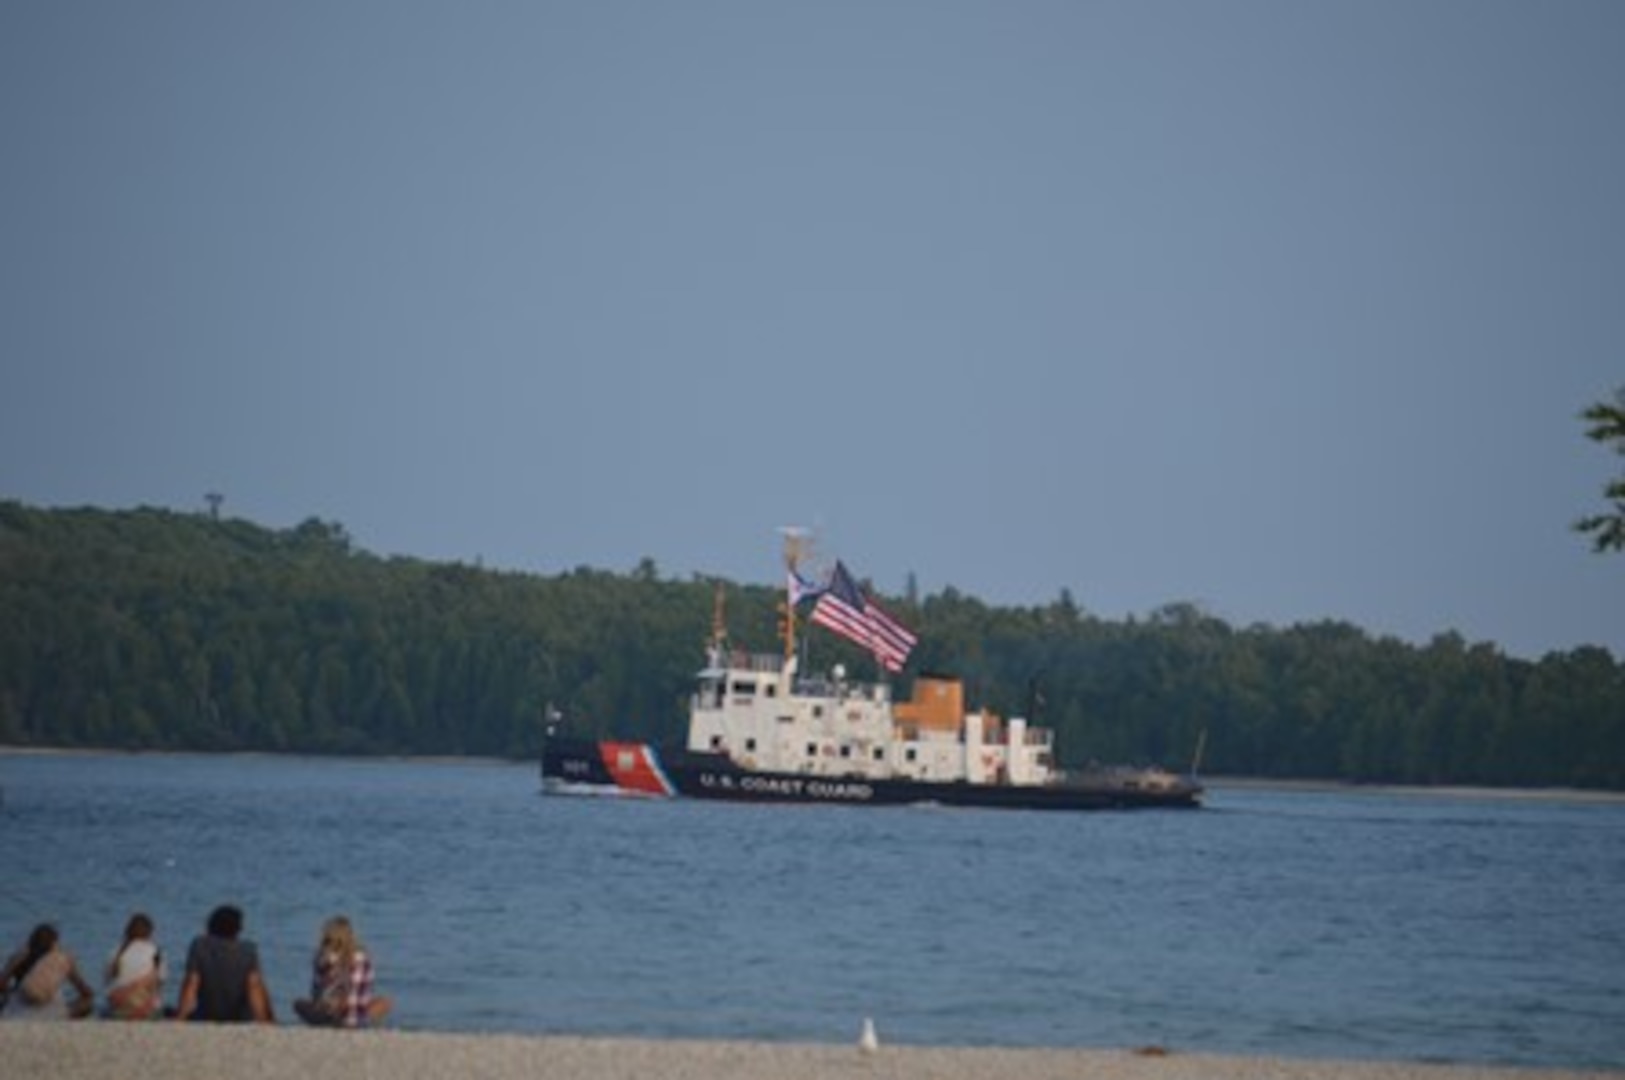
156 629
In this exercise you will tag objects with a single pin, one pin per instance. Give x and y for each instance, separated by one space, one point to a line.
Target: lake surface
1301 924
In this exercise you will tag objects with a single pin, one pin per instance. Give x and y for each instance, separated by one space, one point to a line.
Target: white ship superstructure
760 713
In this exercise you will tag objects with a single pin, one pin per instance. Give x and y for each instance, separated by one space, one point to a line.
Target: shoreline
108 1049
1423 791
15 750
1212 783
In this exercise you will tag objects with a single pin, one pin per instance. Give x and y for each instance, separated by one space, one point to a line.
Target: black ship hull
584 766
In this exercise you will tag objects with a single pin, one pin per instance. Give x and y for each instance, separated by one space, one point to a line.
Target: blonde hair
339 941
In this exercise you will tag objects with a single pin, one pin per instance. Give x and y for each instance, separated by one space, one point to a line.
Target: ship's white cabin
762 713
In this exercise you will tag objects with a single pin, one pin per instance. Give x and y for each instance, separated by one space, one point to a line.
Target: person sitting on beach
135 974
341 982
34 977
223 981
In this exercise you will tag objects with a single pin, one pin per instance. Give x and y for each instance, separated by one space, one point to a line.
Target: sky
1283 309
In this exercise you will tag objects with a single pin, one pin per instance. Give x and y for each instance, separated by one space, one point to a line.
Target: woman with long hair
341 985
33 979
135 974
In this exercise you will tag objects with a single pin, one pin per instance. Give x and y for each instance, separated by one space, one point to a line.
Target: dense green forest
165 630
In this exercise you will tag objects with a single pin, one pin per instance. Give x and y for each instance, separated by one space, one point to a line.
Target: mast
795 549
719 627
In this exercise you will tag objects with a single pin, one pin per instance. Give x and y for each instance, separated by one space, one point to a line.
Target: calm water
1298 924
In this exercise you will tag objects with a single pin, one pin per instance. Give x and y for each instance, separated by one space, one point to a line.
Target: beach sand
98 1050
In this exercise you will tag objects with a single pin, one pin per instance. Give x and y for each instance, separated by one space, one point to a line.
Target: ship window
716 742
846 751
770 690
744 688
912 754
818 710
880 753
750 746
812 749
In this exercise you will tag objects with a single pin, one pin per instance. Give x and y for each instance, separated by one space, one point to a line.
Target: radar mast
797 543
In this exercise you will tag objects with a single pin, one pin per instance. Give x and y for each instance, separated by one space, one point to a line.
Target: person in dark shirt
223 981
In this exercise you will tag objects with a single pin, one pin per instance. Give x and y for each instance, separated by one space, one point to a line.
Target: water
1296 924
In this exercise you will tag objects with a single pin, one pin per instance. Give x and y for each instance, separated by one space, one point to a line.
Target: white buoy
868 1042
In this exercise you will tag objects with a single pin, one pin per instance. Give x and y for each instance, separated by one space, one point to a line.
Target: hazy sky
1284 309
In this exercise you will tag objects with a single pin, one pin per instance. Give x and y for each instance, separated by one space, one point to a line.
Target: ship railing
758 662
840 689
1039 737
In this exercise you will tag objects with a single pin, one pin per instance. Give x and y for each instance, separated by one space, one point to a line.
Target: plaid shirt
346 995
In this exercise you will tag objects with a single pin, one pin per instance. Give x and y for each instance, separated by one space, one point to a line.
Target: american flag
843 609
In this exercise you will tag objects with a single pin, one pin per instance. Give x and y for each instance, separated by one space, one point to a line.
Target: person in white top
135 974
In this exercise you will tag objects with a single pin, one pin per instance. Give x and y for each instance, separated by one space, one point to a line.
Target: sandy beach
94 1051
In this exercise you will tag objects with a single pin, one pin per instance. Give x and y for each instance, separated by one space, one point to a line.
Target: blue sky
1284 309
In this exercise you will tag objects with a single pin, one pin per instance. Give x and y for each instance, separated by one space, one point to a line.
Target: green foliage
150 629
1607 426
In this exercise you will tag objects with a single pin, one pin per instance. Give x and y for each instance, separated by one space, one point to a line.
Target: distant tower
214 499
